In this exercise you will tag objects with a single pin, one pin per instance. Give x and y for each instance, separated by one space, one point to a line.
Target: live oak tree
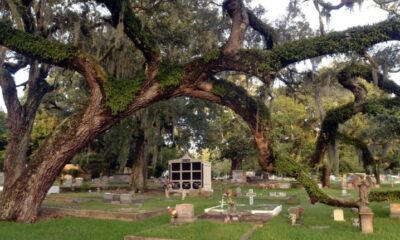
114 95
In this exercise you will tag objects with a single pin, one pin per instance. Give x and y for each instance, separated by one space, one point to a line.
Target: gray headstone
126 198
107 197
78 182
238 192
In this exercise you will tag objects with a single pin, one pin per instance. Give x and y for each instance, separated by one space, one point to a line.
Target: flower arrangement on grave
229 200
172 212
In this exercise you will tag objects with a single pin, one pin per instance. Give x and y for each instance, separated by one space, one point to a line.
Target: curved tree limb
266 31
240 21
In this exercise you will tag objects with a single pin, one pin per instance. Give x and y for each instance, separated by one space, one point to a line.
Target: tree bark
236 164
139 172
325 176
124 153
21 201
334 157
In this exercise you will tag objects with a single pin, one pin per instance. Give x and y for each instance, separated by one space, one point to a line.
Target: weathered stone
78 181
395 210
115 197
284 185
67 182
277 194
107 197
238 176
338 215
185 213
53 190
126 198
366 220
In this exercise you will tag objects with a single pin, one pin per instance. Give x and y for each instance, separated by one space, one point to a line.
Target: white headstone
67 181
251 194
53 189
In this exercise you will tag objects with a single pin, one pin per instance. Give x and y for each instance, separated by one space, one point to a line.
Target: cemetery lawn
317 222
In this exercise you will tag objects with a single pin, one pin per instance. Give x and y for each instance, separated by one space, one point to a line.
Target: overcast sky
340 20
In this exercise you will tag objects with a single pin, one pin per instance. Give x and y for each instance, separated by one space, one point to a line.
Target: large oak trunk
21 200
139 173
236 164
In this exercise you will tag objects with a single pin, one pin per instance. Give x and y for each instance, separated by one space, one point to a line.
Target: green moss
212 55
292 168
120 93
353 40
170 75
35 46
230 92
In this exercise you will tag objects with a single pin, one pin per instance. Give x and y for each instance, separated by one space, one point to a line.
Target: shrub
380 196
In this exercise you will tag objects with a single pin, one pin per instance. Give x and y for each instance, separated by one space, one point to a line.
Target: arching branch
240 21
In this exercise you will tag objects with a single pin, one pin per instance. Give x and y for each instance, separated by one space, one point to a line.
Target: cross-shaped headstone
251 194
222 202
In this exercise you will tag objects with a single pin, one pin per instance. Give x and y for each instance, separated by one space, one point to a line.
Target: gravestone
395 210
107 197
78 182
251 194
238 192
277 194
125 198
338 215
1 178
238 176
295 214
120 179
185 213
53 190
284 185
67 181
115 198
96 180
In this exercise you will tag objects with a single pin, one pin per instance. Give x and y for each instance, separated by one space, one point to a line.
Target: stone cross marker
251 194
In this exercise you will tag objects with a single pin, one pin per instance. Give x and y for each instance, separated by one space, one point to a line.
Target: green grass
278 228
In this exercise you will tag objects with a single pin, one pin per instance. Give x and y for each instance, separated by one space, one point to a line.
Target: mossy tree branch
268 62
367 157
253 111
267 32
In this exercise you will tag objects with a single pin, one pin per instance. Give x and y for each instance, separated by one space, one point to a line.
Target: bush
380 196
